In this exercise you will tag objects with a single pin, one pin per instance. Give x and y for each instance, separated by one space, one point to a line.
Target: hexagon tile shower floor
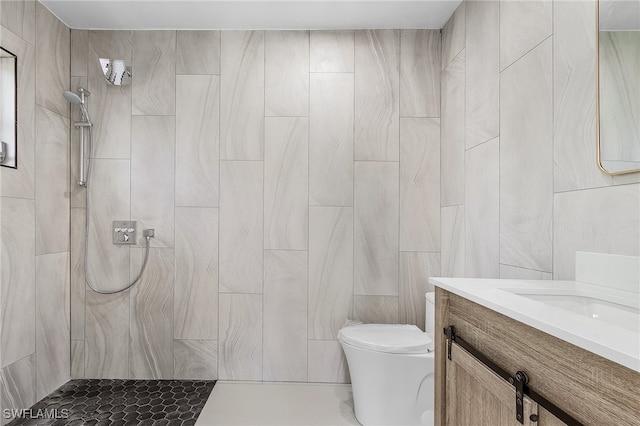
119 402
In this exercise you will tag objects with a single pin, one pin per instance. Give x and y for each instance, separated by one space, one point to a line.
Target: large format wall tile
197 128
330 270
453 36
111 133
18 280
52 182
242 95
420 73
153 137
53 49
513 272
240 344
78 286
52 326
331 51
601 220
241 226
377 94
420 184
482 107
151 307
415 270
198 52
452 242
20 18
286 183
376 228
331 140
285 336
20 182
18 385
196 287
195 359
482 206
452 132
526 161
574 73
153 83
77 359
106 347
327 362
523 25
79 53
286 73
375 309
107 265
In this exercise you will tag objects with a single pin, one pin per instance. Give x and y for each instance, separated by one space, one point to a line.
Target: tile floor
281 404
120 402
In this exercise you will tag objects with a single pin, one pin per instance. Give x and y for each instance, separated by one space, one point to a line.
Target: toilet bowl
392 371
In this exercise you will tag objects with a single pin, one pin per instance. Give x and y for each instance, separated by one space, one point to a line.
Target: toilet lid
389 338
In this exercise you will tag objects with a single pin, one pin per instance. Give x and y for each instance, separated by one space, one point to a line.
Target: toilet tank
430 313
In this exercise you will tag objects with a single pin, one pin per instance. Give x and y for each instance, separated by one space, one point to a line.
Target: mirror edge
597 56
15 108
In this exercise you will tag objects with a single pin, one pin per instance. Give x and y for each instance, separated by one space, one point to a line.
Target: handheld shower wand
85 121
79 100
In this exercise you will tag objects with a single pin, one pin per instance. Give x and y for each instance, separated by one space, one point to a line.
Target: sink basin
618 308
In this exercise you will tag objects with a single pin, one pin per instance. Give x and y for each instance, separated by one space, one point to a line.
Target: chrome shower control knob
124 232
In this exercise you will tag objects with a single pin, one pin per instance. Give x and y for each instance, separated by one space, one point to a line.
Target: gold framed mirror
618 86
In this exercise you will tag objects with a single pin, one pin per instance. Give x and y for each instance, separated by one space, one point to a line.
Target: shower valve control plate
124 232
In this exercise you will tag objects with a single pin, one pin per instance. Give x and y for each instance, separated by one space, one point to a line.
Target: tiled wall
521 192
34 212
293 181
292 178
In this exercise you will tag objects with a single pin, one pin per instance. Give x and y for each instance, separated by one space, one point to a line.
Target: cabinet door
477 396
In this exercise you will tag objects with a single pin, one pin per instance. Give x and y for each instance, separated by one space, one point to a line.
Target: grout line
553 139
131 142
264 156
399 198
550 36
352 308
499 146
306 328
219 189
175 169
525 268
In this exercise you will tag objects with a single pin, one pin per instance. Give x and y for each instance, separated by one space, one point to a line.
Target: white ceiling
248 14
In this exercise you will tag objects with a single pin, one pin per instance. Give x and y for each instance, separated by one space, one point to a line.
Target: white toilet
392 371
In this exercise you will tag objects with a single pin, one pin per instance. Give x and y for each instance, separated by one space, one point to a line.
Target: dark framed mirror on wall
8 109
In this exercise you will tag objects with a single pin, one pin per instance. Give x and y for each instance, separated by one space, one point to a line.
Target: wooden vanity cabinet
591 389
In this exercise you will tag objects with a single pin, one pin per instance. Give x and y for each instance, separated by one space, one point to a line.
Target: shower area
143 297
237 148
123 312
280 182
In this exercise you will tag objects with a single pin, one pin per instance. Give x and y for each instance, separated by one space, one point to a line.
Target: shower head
72 98
76 99
115 71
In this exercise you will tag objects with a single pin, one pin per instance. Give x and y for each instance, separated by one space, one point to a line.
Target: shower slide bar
519 380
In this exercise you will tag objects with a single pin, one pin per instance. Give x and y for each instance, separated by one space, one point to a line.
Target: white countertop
616 343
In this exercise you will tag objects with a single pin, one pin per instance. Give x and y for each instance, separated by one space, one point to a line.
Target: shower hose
147 236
